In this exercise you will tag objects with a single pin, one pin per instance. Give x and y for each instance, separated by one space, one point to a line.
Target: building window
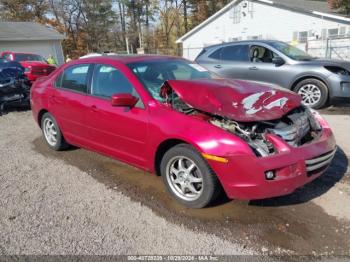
342 31
333 33
254 37
302 37
236 14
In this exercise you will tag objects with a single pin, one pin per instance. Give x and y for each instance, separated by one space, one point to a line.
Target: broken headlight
314 123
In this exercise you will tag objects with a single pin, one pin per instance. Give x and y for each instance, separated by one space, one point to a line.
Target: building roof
315 5
318 8
12 31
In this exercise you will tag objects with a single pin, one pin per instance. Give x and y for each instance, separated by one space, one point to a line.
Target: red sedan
172 117
34 65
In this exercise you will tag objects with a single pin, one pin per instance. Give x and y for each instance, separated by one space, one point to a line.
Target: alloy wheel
310 94
184 178
50 132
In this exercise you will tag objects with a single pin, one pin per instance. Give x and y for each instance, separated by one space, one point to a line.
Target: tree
98 17
23 10
106 25
343 6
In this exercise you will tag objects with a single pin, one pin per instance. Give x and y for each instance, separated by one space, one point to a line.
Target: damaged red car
34 65
172 117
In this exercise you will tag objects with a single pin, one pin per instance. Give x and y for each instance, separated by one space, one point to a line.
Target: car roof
127 59
244 42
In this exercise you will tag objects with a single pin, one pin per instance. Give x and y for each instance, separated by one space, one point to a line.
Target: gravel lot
78 202
49 207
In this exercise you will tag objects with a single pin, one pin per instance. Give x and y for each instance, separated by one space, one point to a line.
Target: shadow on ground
14 108
289 223
337 108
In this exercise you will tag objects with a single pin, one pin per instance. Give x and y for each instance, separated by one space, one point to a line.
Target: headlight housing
338 70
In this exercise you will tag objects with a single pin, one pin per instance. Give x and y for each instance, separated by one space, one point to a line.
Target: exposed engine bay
297 127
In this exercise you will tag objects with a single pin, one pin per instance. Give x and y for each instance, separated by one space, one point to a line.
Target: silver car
316 80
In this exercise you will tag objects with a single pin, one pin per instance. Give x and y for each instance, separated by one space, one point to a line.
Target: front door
263 69
117 131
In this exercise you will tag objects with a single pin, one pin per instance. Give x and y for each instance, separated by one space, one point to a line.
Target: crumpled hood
235 99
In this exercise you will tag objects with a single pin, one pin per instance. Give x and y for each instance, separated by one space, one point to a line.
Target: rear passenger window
235 53
74 78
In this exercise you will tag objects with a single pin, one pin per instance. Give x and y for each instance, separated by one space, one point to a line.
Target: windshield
291 51
153 74
29 57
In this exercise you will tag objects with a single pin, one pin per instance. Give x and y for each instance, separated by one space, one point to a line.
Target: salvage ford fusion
174 118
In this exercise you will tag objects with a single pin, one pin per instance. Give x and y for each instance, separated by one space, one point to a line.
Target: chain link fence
335 48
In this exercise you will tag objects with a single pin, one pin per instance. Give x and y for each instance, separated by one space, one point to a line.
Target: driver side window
108 81
260 54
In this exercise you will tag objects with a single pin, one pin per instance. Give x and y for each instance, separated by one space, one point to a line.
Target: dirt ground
78 202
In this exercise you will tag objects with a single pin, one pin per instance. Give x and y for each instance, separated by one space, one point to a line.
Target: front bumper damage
244 177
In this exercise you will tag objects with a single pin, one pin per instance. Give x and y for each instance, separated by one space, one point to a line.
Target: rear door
68 101
231 61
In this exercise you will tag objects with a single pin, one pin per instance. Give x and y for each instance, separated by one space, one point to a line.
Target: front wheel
188 177
52 133
313 92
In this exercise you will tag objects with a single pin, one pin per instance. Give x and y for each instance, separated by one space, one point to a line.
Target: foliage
114 25
342 5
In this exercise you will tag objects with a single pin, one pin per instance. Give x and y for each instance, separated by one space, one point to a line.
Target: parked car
173 117
35 65
14 85
316 80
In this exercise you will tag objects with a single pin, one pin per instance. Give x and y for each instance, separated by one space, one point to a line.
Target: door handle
218 66
94 108
253 68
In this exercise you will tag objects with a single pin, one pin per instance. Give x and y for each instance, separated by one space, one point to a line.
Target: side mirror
278 61
127 100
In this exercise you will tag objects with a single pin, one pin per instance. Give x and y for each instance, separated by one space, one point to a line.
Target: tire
49 127
200 179
313 92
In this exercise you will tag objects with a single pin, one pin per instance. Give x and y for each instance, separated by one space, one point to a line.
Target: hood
234 99
35 63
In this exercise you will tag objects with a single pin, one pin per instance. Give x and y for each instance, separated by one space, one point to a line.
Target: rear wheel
188 177
52 133
313 92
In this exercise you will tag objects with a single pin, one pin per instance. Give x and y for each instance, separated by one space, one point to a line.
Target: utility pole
127 45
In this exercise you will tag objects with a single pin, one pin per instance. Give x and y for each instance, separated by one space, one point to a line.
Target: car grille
320 163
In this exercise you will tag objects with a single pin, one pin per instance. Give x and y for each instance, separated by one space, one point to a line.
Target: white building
32 38
295 21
